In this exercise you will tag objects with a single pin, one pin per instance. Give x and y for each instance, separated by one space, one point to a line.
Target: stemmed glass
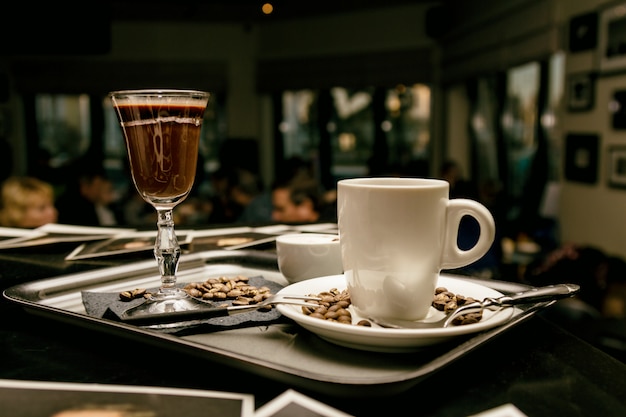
162 130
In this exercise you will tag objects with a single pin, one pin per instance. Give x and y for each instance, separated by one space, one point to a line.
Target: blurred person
89 200
597 313
135 211
27 202
261 208
6 158
300 200
234 189
221 207
244 187
459 187
254 199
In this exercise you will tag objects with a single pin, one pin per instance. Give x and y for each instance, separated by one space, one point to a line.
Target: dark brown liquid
162 148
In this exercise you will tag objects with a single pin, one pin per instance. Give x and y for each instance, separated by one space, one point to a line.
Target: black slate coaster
109 306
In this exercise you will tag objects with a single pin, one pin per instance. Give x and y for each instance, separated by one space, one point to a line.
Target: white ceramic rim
296 242
392 182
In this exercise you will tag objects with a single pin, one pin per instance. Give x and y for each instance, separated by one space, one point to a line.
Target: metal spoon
535 295
142 315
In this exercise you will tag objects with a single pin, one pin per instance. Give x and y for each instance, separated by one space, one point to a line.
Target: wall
501 34
594 214
398 27
223 57
485 36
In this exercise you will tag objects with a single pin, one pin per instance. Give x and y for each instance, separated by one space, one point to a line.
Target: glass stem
166 250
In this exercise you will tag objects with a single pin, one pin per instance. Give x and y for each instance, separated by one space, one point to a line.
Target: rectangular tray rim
334 386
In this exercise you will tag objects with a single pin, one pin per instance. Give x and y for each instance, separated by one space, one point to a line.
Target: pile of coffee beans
237 289
447 301
334 304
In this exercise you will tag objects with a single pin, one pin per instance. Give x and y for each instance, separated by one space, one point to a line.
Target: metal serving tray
284 352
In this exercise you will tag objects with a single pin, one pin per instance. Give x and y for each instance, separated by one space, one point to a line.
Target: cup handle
455 257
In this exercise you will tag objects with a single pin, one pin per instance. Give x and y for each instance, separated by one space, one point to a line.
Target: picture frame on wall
617 166
580 91
617 109
583 32
612 38
581 157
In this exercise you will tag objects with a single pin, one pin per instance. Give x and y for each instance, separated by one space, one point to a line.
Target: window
519 124
63 126
550 117
366 130
408 123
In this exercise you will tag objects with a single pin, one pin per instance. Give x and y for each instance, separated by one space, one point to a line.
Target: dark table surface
537 366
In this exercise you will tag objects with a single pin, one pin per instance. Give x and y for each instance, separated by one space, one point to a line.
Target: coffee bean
133 294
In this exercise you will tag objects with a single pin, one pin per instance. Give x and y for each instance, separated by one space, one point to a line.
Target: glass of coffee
162 130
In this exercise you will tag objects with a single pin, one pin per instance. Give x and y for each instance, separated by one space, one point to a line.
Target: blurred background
517 102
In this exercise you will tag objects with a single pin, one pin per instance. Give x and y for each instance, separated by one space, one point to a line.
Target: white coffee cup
396 235
308 255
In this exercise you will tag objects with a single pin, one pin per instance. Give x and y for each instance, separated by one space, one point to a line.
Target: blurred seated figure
244 187
598 313
459 187
88 200
586 266
258 210
300 200
135 211
262 209
222 208
233 189
27 202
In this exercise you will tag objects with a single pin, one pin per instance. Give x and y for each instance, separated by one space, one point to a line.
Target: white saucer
381 339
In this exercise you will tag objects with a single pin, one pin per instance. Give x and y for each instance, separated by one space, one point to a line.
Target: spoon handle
536 295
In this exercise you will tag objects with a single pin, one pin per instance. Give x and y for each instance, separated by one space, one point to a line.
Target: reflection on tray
7 233
260 238
107 241
232 241
123 244
54 233
13 237
190 240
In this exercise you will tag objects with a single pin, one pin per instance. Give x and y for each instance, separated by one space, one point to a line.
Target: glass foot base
164 294
168 301
169 305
